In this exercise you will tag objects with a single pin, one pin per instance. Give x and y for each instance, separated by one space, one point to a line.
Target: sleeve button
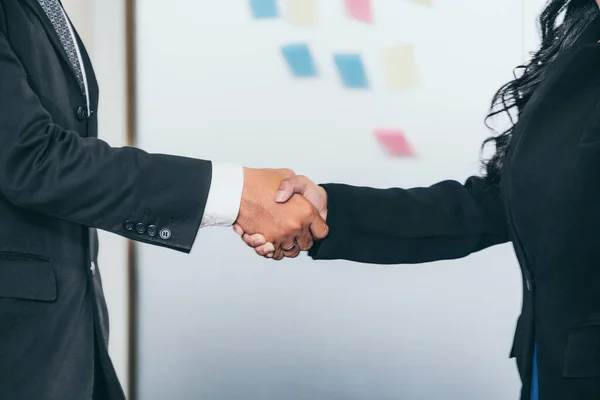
128 225
140 228
165 234
152 230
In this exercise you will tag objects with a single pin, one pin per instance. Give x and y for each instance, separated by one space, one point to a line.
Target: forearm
85 181
55 171
392 226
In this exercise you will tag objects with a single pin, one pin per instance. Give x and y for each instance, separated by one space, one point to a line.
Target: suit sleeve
53 171
403 226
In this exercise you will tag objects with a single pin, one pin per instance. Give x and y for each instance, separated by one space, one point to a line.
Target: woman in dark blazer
541 191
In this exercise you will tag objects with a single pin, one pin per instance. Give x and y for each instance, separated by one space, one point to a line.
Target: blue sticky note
352 71
300 60
264 8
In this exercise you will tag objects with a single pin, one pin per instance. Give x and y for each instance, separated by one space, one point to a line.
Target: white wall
101 26
237 291
222 324
531 11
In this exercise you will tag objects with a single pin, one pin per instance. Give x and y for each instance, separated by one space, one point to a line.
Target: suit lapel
52 35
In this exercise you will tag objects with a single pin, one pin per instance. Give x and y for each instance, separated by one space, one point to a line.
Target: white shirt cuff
224 197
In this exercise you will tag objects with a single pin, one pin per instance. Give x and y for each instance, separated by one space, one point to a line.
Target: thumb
238 229
288 187
319 229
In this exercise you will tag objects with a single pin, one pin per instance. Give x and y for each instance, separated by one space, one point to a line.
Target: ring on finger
291 248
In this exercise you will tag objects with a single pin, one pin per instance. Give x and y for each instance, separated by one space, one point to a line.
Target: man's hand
301 185
290 223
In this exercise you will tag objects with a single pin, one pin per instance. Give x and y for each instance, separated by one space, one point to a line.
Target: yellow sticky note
302 12
424 2
400 68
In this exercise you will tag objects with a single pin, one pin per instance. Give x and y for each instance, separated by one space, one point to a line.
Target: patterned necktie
56 15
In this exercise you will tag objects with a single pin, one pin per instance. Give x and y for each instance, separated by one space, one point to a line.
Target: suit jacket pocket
582 352
26 277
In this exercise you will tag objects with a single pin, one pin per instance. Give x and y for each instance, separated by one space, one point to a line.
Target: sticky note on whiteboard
351 70
400 67
394 142
302 12
299 60
264 9
359 10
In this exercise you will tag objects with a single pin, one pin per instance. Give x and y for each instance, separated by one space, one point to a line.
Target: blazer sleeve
53 171
401 226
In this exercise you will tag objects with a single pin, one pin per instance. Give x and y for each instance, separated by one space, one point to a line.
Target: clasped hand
281 214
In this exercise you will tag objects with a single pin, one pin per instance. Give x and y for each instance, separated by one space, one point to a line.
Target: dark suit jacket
56 181
547 205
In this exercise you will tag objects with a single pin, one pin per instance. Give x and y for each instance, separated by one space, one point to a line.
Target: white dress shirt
78 51
225 194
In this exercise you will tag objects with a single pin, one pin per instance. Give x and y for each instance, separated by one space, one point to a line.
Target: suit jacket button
140 228
165 234
80 113
128 225
152 230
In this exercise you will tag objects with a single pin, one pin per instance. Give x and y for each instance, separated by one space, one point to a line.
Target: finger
254 240
292 254
319 228
277 255
294 249
305 240
238 229
287 244
287 188
265 250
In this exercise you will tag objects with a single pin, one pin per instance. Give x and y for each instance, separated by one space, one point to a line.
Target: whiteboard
223 324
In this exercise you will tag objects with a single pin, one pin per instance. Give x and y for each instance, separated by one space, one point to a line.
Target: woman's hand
301 185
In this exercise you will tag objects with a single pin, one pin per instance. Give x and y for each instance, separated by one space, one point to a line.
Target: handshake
281 213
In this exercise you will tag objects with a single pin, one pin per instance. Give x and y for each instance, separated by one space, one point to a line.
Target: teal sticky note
299 60
264 9
351 70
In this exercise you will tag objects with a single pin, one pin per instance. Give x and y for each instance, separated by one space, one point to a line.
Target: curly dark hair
560 24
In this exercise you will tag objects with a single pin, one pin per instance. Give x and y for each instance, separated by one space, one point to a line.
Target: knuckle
305 210
287 172
307 245
285 185
309 215
294 225
309 208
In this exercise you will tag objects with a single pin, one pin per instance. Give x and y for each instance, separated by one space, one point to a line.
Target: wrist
323 212
243 214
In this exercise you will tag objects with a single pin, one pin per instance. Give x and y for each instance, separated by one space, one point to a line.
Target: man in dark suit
58 182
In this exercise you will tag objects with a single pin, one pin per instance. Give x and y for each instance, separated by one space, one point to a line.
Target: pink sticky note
394 141
360 10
